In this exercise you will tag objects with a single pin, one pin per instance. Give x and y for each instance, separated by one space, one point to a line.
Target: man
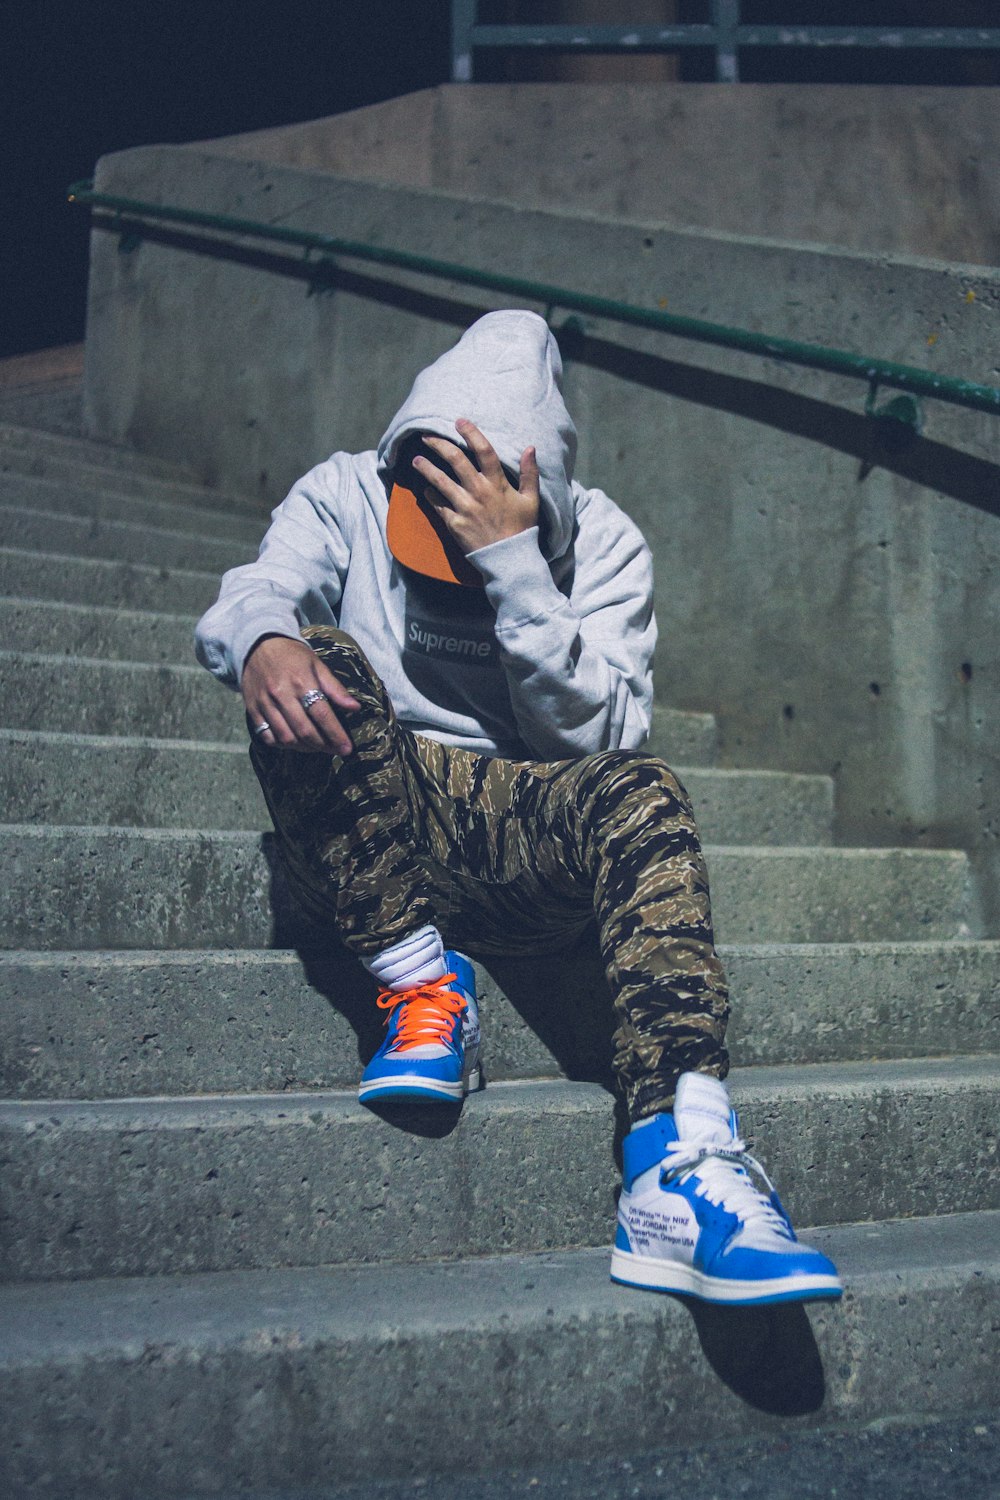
445 654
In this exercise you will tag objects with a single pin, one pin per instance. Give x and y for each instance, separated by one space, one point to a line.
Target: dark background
84 77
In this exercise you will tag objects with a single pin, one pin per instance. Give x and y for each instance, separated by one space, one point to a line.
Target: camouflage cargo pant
511 857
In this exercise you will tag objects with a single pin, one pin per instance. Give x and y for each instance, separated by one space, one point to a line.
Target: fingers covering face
486 454
465 476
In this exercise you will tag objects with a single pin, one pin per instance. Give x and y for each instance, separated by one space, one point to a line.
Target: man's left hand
483 506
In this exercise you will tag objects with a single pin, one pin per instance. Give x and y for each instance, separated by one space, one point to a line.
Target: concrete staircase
224 1274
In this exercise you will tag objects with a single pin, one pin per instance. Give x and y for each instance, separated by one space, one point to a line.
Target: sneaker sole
413 1086
670 1276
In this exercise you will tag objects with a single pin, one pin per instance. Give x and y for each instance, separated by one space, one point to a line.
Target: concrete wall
837 608
908 170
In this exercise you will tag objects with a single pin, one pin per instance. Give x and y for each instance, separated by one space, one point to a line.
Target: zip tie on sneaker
428 1013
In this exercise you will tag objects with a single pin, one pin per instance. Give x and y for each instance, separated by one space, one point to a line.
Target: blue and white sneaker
431 1051
690 1219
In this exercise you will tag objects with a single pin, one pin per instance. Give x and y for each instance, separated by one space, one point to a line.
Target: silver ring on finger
313 696
261 728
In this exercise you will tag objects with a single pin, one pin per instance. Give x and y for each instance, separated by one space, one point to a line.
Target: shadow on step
768 1356
561 998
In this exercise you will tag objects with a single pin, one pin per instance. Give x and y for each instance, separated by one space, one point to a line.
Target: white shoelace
723 1180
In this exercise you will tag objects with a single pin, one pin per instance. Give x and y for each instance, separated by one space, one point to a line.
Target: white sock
414 960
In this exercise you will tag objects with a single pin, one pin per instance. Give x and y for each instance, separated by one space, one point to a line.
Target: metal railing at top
875 372
725 35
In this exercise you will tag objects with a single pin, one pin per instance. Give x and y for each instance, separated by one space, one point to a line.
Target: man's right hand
277 674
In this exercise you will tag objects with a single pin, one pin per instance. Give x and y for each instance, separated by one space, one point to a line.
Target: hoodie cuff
517 577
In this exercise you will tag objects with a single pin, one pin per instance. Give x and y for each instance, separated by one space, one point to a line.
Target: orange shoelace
429 1012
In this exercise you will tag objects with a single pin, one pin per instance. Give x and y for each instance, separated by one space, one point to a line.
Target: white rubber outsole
416 1086
671 1276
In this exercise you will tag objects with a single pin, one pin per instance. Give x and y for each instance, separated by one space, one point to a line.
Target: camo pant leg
630 831
551 847
347 826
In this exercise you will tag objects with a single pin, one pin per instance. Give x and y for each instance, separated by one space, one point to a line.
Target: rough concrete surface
105 697
129 697
837 895
162 1186
684 738
62 778
904 170
88 580
86 472
97 1025
37 447
141 783
837 1001
53 628
56 405
99 887
952 1457
273 1380
38 530
98 500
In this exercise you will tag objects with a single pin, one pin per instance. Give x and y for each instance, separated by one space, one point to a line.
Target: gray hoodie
552 659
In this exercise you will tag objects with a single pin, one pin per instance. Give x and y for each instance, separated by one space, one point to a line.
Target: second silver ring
313 696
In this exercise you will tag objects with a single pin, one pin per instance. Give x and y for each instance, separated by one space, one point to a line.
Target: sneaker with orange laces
431 1050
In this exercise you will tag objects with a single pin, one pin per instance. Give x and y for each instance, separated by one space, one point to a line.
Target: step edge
962 1073
943 1249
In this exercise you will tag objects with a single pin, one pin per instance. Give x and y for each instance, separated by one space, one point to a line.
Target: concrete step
40 447
120 1024
61 778
90 581
683 738
94 697
47 406
74 887
133 782
100 501
121 541
252 1381
184 702
218 1182
48 627
893 1459
89 472
225 1384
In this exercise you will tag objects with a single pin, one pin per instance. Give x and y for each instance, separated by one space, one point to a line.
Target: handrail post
463 19
726 19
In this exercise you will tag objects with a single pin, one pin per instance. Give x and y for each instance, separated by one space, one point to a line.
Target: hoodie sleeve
579 667
297 579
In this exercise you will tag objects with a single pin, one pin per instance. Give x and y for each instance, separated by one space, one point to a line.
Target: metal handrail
725 34
876 372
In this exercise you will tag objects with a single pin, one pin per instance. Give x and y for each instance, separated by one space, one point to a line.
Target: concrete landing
267 1380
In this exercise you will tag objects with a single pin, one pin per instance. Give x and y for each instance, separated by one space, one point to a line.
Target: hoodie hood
505 375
